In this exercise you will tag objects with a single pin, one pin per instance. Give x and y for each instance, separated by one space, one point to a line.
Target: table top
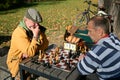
50 73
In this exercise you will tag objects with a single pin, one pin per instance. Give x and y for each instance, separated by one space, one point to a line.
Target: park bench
4 72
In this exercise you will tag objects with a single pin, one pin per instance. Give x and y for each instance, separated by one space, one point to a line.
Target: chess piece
61 57
53 53
73 56
53 60
57 50
41 55
48 65
57 58
50 59
70 54
68 64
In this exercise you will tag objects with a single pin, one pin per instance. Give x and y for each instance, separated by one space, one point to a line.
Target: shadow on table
51 46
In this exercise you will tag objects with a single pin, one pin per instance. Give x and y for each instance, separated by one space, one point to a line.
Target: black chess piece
32 60
44 63
74 56
61 57
36 61
54 62
70 54
78 52
48 65
13 78
68 64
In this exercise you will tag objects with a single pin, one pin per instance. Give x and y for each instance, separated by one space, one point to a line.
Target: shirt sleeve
88 64
21 43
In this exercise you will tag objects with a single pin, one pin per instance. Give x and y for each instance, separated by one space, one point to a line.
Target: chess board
58 58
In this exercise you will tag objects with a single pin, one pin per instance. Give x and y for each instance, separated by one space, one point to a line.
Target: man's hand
81 57
72 39
36 31
69 37
24 56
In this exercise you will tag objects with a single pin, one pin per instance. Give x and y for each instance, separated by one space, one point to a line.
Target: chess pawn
78 53
53 60
44 56
82 50
53 53
70 54
57 49
50 59
85 49
61 57
57 58
68 64
41 55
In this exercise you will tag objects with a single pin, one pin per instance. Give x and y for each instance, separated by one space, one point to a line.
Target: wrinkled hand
24 56
72 39
36 31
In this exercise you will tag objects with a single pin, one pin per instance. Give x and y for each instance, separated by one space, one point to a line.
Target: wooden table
50 73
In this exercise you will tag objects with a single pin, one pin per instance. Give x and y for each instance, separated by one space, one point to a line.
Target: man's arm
88 64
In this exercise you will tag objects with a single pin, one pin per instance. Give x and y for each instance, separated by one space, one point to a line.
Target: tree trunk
115 12
113 8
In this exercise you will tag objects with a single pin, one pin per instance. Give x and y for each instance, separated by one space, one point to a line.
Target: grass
56 16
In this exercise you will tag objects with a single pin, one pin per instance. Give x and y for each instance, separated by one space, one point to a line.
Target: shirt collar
102 39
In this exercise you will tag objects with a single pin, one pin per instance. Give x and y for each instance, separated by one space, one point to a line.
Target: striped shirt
103 58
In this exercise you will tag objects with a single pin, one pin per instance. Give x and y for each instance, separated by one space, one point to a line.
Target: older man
27 39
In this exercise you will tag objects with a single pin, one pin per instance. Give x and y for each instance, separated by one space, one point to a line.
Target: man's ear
25 19
100 31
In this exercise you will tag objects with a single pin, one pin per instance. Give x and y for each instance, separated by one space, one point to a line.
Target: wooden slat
52 72
74 75
41 68
48 70
63 75
56 72
35 66
25 61
28 64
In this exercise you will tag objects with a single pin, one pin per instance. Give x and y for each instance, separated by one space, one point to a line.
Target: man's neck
104 36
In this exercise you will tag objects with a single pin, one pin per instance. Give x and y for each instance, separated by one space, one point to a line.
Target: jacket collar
22 24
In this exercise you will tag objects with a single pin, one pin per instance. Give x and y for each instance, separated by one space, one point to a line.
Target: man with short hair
27 39
104 56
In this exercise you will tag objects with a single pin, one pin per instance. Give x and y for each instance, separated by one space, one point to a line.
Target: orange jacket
22 44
